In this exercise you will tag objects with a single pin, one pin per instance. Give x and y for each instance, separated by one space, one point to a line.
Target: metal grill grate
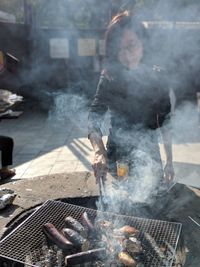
28 236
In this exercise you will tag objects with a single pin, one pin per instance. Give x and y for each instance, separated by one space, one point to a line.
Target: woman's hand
169 172
100 166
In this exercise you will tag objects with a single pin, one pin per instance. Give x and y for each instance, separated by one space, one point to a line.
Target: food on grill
87 223
133 247
75 225
107 244
126 259
126 230
104 226
56 237
76 239
154 246
87 256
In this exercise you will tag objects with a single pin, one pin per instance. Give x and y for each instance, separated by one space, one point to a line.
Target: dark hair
116 27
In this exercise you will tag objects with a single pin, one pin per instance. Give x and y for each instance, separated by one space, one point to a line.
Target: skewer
103 200
86 256
194 221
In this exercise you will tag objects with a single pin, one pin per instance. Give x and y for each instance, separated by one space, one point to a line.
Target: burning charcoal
132 247
55 248
76 226
127 230
87 256
111 245
140 264
28 260
42 260
169 249
49 261
40 264
96 264
163 248
113 264
56 237
44 249
126 259
140 257
59 258
76 239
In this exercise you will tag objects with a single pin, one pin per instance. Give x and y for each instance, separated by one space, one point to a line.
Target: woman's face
131 49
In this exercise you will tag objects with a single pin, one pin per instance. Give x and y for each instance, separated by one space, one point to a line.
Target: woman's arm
164 117
100 156
98 109
167 142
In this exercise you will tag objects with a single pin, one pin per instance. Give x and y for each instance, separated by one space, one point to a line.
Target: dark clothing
133 98
138 105
6 147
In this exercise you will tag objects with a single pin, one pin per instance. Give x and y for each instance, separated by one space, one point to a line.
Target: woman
138 105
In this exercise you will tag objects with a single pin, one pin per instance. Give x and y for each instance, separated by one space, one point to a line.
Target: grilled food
76 239
56 237
126 259
75 225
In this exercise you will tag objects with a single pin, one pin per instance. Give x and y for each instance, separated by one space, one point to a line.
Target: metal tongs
103 196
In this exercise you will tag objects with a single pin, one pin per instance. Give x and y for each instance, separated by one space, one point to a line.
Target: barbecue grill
28 237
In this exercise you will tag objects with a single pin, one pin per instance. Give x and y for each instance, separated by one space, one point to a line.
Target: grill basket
28 236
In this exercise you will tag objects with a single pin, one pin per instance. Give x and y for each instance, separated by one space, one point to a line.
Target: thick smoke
141 187
70 108
173 48
185 123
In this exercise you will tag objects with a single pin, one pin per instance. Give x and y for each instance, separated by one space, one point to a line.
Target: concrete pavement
46 147
42 148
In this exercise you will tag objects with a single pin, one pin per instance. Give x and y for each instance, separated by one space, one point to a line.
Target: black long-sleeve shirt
134 98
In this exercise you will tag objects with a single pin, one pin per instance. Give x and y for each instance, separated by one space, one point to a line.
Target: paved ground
42 148
45 146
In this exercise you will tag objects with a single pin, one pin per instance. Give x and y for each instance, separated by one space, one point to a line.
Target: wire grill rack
28 236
